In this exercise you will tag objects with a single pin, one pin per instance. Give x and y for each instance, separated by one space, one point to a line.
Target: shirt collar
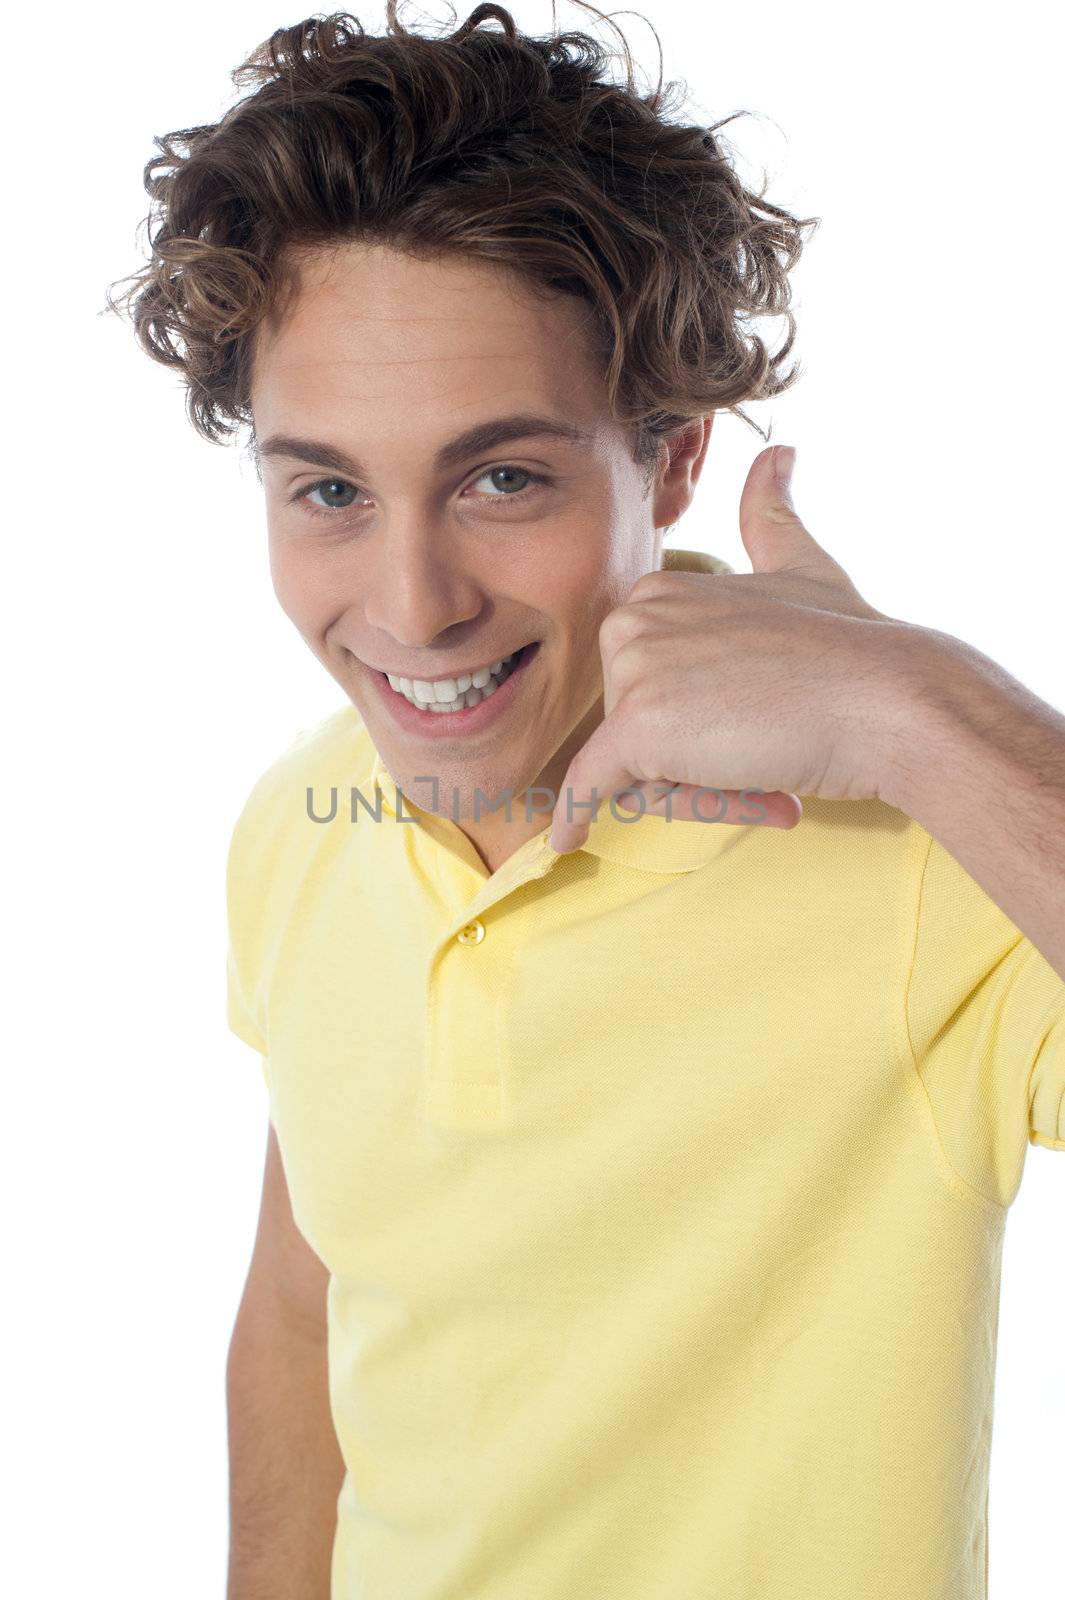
650 843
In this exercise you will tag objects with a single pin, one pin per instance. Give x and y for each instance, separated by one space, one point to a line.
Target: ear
686 452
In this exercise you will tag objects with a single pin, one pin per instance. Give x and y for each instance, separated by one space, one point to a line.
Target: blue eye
534 484
332 484
494 471
337 495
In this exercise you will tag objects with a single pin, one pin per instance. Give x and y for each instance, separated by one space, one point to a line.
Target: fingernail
783 464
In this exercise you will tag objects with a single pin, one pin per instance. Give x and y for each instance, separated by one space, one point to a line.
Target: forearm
285 1467
984 774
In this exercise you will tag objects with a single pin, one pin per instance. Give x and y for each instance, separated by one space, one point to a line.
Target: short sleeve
269 850
986 1018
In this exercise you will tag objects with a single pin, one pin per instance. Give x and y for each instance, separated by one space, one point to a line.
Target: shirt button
472 933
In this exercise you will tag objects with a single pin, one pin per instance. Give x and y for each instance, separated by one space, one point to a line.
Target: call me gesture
787 681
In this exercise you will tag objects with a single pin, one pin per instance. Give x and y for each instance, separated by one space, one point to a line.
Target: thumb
783 467
772 531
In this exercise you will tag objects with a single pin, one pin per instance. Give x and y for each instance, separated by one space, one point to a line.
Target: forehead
368 331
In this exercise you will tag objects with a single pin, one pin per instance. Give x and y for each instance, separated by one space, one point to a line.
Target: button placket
512 876
465 1043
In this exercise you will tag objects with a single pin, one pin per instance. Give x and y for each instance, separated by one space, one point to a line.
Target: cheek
591 570
600 587
306 589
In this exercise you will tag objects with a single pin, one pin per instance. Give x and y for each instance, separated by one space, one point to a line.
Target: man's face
390 560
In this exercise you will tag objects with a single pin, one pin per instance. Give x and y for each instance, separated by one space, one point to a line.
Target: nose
418 588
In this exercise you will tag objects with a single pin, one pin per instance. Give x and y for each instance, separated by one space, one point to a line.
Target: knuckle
774 511
626 663
616 626
649 584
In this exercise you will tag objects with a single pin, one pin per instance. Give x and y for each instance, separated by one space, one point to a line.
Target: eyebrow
483 436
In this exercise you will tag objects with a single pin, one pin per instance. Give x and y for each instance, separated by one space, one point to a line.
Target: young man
636 1179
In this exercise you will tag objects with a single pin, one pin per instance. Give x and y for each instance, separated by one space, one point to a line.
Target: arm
984 774
285 1467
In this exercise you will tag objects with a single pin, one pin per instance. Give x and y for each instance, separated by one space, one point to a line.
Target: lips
441 719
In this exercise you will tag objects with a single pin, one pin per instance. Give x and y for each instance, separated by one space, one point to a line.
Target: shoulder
677 559
877 840
888 848
335 752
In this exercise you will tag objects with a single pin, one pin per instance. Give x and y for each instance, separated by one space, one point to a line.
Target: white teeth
454 694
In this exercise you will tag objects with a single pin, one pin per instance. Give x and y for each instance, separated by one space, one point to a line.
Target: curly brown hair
500 147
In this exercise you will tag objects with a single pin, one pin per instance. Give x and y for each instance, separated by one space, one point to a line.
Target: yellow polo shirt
662 1186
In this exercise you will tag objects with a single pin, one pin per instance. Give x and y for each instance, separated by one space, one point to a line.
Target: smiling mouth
461 692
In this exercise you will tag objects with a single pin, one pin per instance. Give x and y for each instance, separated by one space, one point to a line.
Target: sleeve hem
1045 1139
246 1033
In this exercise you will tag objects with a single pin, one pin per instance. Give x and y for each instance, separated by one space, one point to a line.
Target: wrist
941 696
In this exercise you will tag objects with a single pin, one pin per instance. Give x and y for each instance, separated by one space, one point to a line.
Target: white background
151 677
